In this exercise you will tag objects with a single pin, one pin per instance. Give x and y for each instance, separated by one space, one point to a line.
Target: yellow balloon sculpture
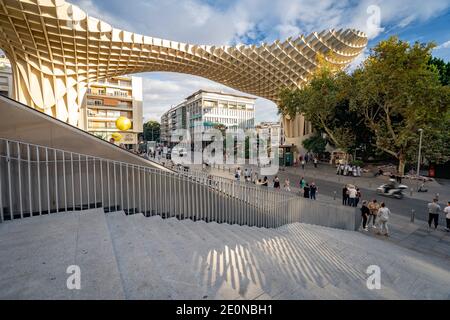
123 124
117 137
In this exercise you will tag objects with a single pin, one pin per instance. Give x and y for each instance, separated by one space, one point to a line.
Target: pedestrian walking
238 174
276 183
433 212
287 185
306 191
365 213
345 196
352 194
316 162
358 197
384 215
302 183
374 207
303 164
447 216
313 191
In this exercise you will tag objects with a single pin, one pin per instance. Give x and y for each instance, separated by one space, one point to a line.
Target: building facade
207 109
295 131
272 129
110 99
6 79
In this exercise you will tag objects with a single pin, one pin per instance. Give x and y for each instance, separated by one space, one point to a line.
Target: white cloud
445 45
236 21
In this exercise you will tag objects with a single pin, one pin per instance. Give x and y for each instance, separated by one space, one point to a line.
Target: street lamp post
420 152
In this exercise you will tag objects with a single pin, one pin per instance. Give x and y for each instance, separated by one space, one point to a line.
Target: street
329 183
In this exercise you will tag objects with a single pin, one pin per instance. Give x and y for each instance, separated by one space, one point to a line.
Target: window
113 114
97 125
95 102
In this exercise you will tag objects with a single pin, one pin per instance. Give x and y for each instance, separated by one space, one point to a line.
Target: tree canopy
152 131
384 102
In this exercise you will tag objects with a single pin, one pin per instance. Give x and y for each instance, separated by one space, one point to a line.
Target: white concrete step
139 268
175 254
36 252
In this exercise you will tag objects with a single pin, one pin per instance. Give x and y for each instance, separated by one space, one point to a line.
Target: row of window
103 92
100 102
108 113
102 125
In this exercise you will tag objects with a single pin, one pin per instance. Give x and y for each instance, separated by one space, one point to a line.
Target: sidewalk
416 236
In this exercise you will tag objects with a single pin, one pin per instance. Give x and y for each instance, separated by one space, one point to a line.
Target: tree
316 144
152 131
442 68
397 93
324 102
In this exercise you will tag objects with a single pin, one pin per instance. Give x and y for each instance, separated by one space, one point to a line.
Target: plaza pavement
133 257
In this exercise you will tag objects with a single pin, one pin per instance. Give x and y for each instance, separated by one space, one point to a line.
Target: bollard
413 216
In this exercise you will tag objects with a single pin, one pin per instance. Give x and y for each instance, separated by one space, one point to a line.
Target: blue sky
229 22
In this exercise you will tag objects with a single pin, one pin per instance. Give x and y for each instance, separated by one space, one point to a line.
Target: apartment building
272 129
110 99
208 109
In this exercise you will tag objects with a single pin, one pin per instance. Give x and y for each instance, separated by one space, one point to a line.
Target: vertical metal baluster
109 186
19 162
56 181
95 181
128 190
139 190
73 183
65 180
48 181
121 187
101 184
134 189
150 192
8 160
87 183
145 191
160 201
30 195
115 187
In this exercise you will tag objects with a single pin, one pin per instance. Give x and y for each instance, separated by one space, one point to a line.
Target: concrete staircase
135 257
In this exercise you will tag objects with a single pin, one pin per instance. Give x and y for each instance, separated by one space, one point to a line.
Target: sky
231 22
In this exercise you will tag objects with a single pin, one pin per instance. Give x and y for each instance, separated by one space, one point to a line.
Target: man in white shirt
433 210
383 218
352 194
447 216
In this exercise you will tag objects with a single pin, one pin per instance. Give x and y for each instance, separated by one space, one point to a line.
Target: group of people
309 157
348 170
309 191
434 209
377 214
351 195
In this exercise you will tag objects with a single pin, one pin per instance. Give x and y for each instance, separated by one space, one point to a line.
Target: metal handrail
39 180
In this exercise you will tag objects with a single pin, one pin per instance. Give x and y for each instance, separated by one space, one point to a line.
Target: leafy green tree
324 101
442 68
316 144
398 93
152 131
